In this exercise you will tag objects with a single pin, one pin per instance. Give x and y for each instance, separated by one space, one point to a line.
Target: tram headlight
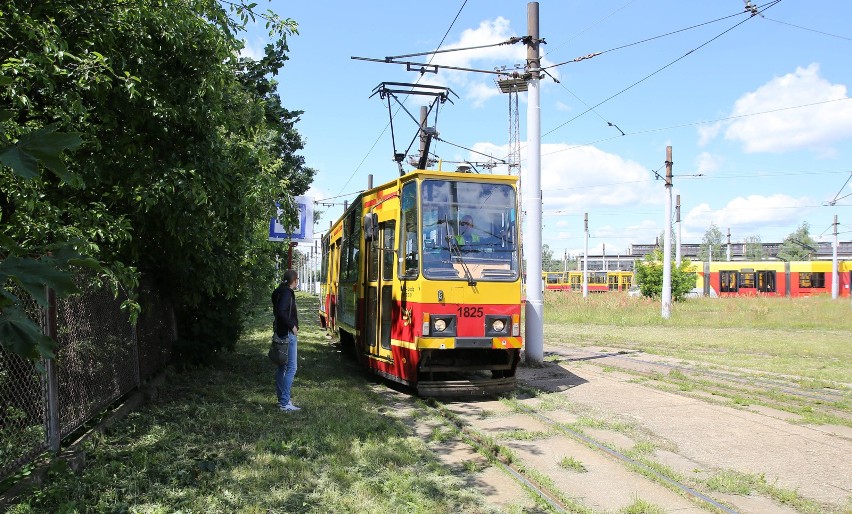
498 325
440 325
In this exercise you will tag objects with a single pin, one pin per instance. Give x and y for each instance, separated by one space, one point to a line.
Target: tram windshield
469 231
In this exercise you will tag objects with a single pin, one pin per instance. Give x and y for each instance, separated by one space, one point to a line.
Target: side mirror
371 226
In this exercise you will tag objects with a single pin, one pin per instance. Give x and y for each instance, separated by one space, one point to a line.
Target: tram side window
324 264
811 280
728 281
351 239
409 256
747 279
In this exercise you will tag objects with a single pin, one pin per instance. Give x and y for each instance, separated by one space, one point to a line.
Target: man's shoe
290 407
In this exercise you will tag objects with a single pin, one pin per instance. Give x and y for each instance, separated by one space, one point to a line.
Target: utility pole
677 218
586 256
534 329
603 256
565 264
667 243
835 276
729 245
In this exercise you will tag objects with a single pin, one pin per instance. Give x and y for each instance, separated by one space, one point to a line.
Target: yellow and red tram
421 279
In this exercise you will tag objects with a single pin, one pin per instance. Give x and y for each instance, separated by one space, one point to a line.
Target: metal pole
534 328
677 219
370 181
667 243
586 257
603 256
835 276
53 430
728 254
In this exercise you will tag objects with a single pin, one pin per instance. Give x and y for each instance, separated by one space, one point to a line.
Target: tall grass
807 337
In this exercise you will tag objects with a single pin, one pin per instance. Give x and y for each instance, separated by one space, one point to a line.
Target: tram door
380 291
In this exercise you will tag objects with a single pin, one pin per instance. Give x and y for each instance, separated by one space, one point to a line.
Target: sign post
302 231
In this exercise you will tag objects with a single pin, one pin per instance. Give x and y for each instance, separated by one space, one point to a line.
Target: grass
802 337
735 482
572 464
640 506
214 441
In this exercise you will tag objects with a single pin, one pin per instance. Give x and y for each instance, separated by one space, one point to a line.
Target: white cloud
707 133
707 163
577 179
814 128
747 214
474 86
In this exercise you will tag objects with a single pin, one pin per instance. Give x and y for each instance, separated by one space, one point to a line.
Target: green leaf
34 274
45 145
22 336
5 81
6 114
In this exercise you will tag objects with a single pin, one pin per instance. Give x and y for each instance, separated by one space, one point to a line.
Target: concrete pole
667 244
565 264
728 254
835 276
586 257
677 219
534 329
370 181
603 256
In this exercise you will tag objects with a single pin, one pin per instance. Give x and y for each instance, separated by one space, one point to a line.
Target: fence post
53 436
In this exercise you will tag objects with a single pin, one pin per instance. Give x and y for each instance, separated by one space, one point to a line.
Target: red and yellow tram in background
421 279
726 278
773 278
598 281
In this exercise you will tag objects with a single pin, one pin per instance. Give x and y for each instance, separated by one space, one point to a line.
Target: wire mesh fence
101 356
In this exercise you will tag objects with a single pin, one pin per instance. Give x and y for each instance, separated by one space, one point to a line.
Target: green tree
754 248
649 275
799 245
185 146
711 245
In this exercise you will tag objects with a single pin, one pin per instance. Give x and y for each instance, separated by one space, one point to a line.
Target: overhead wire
648 39
806 28
768 6
553 49
694 123
464 3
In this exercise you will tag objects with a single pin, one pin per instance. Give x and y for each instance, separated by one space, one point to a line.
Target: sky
756 108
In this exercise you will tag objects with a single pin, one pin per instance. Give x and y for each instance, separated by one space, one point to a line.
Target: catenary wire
418 80
649 39
810 30
771 4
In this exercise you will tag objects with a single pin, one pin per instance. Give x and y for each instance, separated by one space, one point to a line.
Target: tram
772 278
421 280
598 281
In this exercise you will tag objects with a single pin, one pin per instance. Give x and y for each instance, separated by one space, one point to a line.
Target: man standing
286 327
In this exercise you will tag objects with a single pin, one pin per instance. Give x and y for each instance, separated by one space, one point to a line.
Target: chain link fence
100 358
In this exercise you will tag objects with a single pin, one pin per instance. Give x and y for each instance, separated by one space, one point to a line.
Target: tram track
825 396
556 499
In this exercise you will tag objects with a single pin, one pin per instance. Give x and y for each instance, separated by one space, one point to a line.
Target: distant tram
773 278
421 279
598 281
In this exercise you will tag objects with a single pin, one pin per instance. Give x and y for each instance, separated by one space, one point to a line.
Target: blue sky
759 174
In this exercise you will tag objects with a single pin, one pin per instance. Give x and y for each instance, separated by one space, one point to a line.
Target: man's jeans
285 373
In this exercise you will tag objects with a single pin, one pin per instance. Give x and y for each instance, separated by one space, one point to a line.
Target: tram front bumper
451 343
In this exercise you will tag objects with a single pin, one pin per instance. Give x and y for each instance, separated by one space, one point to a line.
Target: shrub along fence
100 358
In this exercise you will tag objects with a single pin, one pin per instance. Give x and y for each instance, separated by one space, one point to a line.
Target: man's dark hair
290 276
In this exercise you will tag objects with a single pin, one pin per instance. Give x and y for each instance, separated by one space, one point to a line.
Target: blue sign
304 228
